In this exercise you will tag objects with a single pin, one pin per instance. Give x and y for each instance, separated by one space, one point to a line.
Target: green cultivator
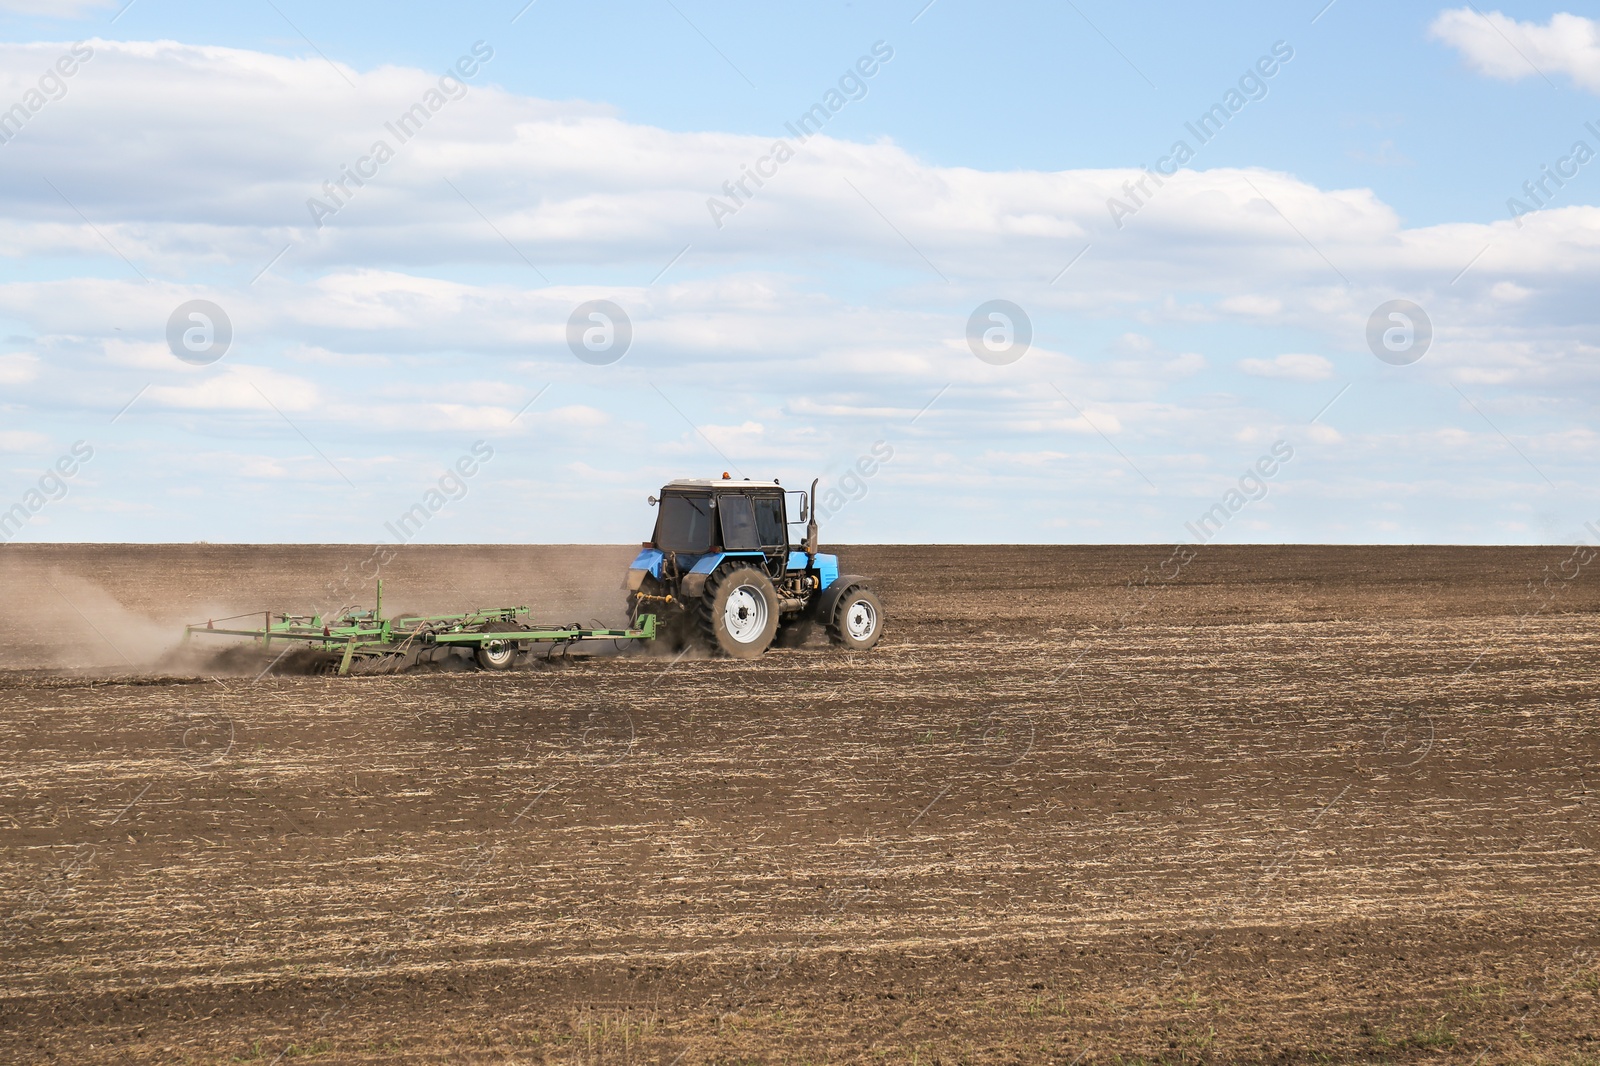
367 642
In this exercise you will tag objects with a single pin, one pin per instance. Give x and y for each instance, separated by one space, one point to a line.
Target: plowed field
1289 805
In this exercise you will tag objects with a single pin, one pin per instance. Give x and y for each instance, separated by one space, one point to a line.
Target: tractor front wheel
857 622
740 612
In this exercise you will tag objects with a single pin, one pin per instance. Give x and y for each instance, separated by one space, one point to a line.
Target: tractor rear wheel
857 622
739 614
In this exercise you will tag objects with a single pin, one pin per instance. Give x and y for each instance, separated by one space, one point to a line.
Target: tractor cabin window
769 522
685 524
738 524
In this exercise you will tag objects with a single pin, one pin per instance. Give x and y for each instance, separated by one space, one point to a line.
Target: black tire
857 622
739 612
501 655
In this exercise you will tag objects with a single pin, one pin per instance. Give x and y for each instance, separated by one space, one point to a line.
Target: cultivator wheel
500 655
497 655
739 614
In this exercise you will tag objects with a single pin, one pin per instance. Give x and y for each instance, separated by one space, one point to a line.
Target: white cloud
232 144
55 8
17 440
407 315
254 467
1501 47
309 353
238 388
1292 367
1133 344
573 186
578 416
144 355
1069 420
1261 306
18 368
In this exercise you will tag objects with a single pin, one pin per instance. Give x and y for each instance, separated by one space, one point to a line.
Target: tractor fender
828 599
693 585
648 559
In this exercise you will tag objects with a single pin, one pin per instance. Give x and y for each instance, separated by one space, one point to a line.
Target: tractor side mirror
803 503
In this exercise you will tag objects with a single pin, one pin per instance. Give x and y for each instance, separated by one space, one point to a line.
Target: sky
277 271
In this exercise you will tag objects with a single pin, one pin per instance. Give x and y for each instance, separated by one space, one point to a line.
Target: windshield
685 524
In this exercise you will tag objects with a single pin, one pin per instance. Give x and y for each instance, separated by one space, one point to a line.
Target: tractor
721 571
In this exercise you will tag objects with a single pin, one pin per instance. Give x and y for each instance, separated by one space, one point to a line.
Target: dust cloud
60 620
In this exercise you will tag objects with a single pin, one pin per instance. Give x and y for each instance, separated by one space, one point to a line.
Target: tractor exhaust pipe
811 527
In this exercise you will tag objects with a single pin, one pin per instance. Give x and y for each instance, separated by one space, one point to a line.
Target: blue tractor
720 571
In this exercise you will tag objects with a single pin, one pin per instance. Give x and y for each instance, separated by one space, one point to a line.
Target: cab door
756 523
739 532
772 528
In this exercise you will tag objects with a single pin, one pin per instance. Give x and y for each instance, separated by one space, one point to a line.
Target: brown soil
1299 804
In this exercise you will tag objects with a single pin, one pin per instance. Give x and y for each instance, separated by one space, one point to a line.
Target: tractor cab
721 565
699 518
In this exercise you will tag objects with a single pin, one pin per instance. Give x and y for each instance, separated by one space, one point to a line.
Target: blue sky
828 311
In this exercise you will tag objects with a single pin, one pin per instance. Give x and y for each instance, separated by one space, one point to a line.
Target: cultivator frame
366 638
